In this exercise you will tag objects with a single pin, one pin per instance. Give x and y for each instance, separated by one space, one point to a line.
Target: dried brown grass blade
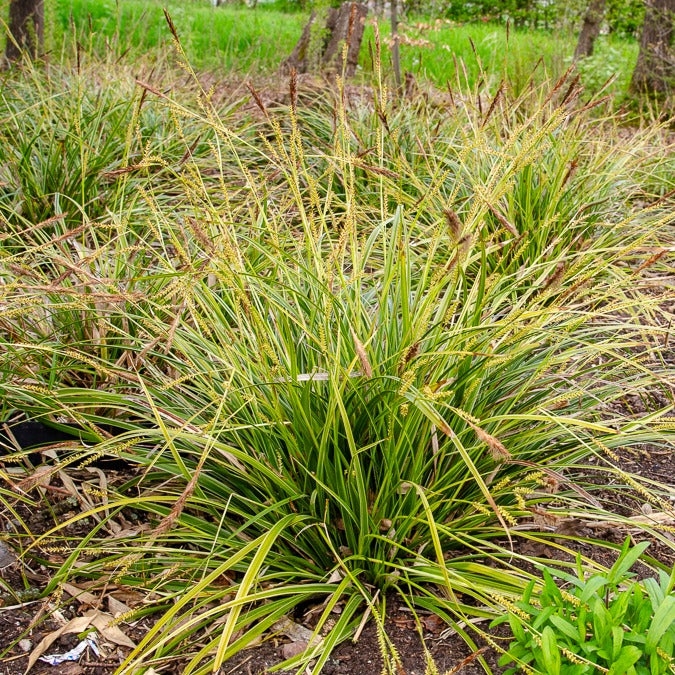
361 353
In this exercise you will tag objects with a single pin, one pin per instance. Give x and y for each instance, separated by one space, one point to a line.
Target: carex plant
369 346
77 148
73 145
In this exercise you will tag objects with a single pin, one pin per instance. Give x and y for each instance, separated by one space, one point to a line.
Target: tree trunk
342 25
590 29
395 50
655 68
26 28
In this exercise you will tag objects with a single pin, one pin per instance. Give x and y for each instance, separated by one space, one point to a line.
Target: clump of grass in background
54 165
357 352
71 148
77 149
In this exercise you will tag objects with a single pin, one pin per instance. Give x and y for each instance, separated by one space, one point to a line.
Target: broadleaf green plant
607 622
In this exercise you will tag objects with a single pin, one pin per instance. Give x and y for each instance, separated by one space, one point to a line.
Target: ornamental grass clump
346 373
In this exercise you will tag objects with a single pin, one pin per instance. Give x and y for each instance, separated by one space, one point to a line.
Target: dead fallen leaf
85 502
654 518
79 594
466 661
571 527
538 549
291 649
128 596
116 607
103 487
41 477
77 625
105 625
296 632
433 623
129 532
336 576
55 614
544 518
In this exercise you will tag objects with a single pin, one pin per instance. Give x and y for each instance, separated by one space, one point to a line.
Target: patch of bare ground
447 650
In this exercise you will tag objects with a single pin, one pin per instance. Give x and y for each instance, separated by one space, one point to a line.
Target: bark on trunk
590 29
26 28
395 50
337 27
655 68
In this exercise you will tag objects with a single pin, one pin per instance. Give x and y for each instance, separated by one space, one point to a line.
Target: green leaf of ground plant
663 620
550 651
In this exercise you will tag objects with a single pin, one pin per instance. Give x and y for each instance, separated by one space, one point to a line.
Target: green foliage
447 53
55 156
610 59
225 38
519 12
607 622
72 150
625 17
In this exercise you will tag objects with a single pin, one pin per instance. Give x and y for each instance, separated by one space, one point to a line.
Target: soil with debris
25 618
